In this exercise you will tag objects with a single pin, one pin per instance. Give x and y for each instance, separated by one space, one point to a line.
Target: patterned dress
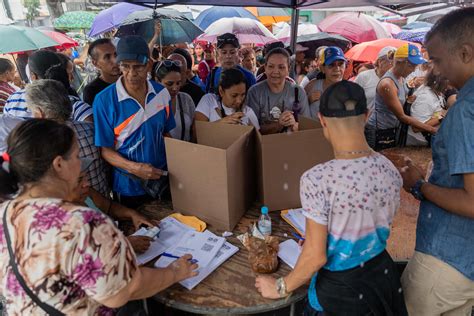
71 257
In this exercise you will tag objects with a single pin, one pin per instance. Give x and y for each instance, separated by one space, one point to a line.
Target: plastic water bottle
265 222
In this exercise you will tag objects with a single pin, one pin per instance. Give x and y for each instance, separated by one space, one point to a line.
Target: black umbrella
313 41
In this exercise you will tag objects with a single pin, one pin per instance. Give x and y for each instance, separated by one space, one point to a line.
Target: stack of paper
289 252
171 231
295 218
210 251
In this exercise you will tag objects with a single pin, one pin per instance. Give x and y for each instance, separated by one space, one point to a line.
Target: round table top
230 289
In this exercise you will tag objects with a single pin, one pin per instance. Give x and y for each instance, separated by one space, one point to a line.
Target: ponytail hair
32 147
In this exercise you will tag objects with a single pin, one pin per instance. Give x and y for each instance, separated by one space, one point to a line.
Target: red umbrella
368 51
64 41
357 27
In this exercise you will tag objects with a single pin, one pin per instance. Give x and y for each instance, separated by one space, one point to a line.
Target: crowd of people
73 163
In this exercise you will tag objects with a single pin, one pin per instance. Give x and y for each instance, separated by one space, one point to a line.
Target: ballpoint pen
165 254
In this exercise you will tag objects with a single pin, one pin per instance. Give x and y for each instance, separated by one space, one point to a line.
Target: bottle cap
264 210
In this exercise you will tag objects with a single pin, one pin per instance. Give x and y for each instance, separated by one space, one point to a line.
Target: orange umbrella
268 16
368 51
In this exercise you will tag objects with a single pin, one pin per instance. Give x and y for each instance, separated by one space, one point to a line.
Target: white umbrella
303 29
247 31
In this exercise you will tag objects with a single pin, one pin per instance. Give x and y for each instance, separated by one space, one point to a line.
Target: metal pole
295 16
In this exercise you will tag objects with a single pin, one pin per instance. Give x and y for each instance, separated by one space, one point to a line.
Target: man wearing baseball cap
131 118
228 56
370 78
349 204
390 97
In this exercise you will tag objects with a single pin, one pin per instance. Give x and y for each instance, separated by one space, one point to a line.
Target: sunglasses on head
228 40
170 63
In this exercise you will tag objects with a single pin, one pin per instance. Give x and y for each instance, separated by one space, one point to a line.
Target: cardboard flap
306 123
219 135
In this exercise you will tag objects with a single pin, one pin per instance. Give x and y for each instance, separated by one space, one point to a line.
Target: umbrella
391 28
74 20
268 16
313 41
434 16
247 31
64 41
368 51
303 29
357 27
416 35
417 25
17 39
211 15
175 28
112 17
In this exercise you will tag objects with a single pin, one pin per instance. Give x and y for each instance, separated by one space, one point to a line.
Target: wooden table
230 289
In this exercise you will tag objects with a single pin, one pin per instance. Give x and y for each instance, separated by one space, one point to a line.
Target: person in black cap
131 118
228 57
349 203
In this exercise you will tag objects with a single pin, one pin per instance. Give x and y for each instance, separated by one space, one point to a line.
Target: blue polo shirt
249 77
440 233
135 132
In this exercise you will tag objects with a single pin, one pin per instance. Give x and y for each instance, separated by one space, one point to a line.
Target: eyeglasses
136 68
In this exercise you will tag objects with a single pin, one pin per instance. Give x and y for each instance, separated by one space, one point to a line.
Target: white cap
384 51
300 48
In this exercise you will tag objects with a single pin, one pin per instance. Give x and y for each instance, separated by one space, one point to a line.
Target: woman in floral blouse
71 257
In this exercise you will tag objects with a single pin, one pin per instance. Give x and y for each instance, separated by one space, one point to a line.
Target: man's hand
410 174
287 119
139 220
266 285
140 244
146 171
235 118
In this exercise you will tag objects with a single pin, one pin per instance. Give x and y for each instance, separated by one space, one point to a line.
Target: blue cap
411 52
331 54
264 210
133 48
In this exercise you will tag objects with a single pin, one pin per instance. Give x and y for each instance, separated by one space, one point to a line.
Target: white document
171 232
225 252
289 252
296 217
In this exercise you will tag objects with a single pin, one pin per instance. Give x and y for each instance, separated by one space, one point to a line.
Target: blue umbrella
417 25
112 17
417 35
175 28
209 16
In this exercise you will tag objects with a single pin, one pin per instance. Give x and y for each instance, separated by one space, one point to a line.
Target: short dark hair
5 66
183 52
277 51
32 147
41 61
455 28
231 77
101 41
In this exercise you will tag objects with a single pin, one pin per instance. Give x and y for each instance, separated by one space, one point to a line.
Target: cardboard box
283 158
215 178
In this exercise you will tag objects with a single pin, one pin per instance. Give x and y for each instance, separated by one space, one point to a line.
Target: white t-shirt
188 108
426 104
210 107
369 81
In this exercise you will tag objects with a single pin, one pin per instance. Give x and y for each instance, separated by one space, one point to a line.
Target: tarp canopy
295 4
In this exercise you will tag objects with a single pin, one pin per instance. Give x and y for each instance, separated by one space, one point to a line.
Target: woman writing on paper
82 264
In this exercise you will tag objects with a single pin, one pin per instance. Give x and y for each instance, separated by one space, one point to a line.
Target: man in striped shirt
40 63
7 74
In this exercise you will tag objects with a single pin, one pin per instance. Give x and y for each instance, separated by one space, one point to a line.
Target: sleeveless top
382 117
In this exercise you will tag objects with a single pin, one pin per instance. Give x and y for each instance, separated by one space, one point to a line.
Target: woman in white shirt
168 73
428 107
228 106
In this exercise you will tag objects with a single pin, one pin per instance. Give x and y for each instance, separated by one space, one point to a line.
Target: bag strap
212 86
181 114
50 310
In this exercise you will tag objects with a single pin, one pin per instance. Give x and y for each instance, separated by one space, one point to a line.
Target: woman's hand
183 268
235 118
287 119
139 220
266 285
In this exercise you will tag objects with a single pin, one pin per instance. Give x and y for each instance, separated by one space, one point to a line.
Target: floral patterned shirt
71 257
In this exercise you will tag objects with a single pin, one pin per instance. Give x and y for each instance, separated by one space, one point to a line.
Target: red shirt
5 91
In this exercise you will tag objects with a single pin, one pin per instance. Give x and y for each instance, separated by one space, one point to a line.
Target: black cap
133 48
343 99
227 38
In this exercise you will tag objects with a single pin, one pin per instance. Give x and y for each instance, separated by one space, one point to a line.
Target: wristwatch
281 287
416 190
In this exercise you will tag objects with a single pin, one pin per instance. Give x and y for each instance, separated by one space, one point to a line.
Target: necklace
356 152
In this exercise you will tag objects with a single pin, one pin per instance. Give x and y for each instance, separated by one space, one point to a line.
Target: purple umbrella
112 17
417 35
